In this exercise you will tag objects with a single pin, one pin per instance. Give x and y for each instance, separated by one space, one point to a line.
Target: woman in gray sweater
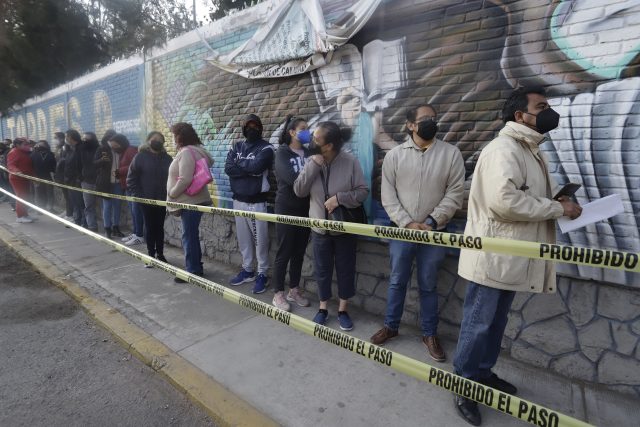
345 186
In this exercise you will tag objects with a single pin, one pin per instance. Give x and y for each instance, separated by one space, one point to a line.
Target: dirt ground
58 368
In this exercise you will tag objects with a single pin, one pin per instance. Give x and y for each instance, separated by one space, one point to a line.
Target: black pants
68 206
154 228
292 244
338 251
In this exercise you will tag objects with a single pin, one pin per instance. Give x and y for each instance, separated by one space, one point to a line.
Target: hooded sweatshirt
148 174
248 164
87 167
288 165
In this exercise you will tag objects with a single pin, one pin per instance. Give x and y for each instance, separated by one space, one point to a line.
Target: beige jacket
181 174
511 198
417 184
346 182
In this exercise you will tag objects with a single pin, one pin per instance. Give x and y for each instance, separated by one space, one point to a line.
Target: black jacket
44 163
72 167
148 174
248 166
288 165
87 165
103 168
61 165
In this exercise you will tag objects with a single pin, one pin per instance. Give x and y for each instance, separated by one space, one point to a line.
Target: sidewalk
291 377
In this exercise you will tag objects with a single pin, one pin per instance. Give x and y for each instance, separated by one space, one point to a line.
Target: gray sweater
346 181
417 184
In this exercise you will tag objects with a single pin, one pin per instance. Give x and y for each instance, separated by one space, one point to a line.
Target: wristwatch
431 222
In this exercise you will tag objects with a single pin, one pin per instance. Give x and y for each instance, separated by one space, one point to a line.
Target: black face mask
427 129
314 148
156 145
253 134
546 120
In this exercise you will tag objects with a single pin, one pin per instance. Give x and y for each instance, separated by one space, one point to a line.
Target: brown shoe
434 348
383 335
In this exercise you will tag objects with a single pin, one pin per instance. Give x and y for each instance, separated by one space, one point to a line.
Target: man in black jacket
247 165
73 175
88 172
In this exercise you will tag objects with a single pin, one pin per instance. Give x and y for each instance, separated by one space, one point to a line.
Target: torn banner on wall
294 39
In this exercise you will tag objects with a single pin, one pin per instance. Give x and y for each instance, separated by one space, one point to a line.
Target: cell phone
568 190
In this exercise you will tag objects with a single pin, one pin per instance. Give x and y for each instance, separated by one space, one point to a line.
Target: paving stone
520 300
625 341
554 336
514 325
526 353
618 303
452 310
595 338
617 369
543 306
582 303
575 365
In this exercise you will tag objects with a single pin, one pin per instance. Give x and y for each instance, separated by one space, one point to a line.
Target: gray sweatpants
253 237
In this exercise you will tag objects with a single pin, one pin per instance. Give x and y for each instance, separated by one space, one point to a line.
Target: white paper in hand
595 211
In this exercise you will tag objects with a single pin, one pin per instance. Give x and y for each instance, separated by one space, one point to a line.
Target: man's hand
418 226
318 159
571 209
331 204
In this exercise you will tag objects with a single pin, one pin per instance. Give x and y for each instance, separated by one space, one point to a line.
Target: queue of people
422 189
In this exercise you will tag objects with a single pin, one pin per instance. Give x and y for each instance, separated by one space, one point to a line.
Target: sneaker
468 410
321 317
134 241
148 266
345 321
115 230
127 238
261 284
161 258
280 302
434 348
24 220
499 384
243 277
295 295
383 335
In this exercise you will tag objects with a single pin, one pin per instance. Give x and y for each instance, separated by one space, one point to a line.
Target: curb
222 405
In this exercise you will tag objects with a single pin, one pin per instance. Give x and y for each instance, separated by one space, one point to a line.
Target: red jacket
19 161
125 160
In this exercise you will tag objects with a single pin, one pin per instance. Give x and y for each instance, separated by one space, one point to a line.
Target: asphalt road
58 368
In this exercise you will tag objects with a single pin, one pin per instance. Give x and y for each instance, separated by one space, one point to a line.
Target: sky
202 9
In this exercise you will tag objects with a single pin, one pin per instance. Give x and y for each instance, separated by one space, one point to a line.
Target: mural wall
463 57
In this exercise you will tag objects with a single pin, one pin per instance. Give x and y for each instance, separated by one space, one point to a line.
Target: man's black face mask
427 129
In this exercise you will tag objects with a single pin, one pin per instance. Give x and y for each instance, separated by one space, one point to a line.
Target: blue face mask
304 136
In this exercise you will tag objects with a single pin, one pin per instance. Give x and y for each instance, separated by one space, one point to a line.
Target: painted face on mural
539 115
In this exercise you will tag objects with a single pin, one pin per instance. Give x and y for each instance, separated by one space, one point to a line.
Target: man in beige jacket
511 198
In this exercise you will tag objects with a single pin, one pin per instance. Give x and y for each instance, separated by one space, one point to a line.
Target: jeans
339 250
154 228
484 319
77 204
111 207
137 219
428 260
90 206
191 240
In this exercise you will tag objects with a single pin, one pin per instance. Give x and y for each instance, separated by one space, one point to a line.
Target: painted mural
463 57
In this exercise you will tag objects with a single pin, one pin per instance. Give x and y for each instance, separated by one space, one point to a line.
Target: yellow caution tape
602 258
514 406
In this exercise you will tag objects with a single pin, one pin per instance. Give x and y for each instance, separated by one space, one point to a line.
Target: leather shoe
468 409
434 348
383 335
499 384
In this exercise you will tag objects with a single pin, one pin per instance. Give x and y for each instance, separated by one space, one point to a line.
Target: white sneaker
280 302
24 220
127 238
135 241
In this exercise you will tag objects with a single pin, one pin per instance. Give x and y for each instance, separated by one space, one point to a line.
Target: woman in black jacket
106 182
88 172
44 166
147 178
292 240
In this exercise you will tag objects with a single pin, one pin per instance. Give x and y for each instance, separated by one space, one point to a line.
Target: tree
42 44
222 8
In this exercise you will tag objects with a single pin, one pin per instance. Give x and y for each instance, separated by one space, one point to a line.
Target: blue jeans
90 206
337 251
428 260
77 204
137 219
111 208
484 319
191 240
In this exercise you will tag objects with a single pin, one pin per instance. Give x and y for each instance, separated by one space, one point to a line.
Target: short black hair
518 101
290 123
121 140
60 135
412 113
335 135
74 134
154 133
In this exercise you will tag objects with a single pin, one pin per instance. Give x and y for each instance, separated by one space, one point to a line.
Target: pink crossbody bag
201 175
